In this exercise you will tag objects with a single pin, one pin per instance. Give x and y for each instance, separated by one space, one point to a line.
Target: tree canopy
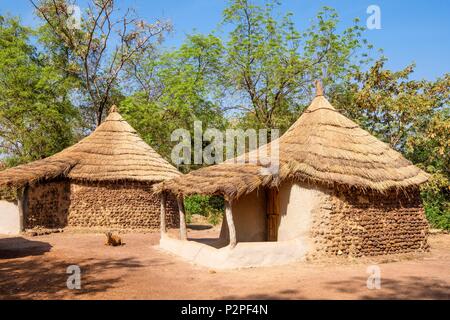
255 71
37 118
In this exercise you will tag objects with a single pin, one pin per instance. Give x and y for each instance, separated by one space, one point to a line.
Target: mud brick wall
121 205
356 224
48 205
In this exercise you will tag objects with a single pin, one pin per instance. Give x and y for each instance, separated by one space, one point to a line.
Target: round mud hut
335 190
102 182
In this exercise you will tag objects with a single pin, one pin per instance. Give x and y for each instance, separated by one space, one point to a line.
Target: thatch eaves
322 146
113 152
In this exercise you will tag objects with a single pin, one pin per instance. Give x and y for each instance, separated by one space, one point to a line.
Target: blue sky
412 31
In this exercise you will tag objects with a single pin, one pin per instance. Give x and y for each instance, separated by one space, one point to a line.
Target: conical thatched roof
322 146
113 152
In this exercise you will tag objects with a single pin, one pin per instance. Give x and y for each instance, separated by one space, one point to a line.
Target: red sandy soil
35 268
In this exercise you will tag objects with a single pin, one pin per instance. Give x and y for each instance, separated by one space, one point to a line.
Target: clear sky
411 31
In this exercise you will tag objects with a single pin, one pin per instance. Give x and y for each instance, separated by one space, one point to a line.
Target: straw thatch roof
322 146
113 152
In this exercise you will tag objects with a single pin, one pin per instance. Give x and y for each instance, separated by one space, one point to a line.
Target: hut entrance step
273 214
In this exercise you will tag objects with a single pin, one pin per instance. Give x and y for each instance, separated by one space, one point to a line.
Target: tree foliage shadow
18 247
412 287
199 226
287 294
44 278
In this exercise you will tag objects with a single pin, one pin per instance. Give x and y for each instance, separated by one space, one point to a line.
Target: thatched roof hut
113 152
98 182
322 146
338 190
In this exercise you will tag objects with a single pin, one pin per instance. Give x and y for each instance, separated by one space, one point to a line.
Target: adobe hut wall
356 224
108 205
48 204
10 218
249 216
330 222
297 203
118 205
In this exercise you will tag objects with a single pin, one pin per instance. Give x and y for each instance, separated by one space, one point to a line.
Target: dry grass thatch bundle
322 146
113 152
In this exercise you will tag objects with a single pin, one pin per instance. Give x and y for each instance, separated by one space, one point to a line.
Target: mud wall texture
48 205
357 224
109 205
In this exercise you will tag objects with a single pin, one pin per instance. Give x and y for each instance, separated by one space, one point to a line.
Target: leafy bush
210 207
188 217
196 204
436 199
215 217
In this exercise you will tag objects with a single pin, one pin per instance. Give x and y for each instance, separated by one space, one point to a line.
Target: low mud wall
118 205
356 224
48 205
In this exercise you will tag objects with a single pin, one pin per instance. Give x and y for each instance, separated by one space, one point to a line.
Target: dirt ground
35 268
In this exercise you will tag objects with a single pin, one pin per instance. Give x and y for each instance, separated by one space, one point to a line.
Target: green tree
176 89
36 115
97 50
270 65
260 77
413 116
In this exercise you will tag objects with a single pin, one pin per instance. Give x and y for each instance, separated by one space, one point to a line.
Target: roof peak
320 102
113 152
319 88
113 109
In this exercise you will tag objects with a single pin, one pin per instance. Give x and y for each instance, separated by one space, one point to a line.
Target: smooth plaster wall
297 203
9 218
244 255
249 215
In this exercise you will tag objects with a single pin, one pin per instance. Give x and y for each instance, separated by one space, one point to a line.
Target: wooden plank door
273 214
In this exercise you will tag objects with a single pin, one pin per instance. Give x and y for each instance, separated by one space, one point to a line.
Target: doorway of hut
256 218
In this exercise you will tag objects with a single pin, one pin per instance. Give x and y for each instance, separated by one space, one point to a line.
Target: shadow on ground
18 247
287 294
213 242
410 288
405 288
41 278
199 226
